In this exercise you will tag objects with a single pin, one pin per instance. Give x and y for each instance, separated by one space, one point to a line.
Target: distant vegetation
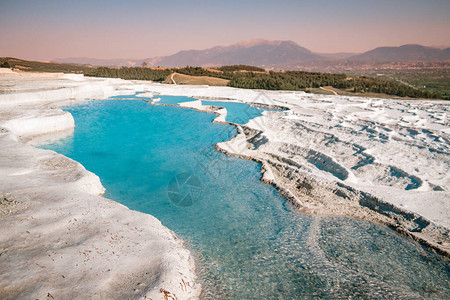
134 73
374 85
287 80
198 71
38 66
241 76
431 78
298 80
236 68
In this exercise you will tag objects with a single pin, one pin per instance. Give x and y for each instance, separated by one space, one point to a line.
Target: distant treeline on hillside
39 66
374 85
130 73
236 68
298 80
284 80
288 80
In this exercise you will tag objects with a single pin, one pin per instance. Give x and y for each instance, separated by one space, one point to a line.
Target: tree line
237 68
286 80
374 85
130 73
298 80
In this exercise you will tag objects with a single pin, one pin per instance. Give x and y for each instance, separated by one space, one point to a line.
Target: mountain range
273 55
404 53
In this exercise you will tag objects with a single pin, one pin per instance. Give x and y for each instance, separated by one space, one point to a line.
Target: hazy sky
45 29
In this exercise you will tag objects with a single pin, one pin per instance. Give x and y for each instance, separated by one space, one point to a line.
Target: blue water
249 243
172 100
238 113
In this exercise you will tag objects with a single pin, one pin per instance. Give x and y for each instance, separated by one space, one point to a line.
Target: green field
426 79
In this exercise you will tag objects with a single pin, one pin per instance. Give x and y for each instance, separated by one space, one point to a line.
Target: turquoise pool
248 241
238 113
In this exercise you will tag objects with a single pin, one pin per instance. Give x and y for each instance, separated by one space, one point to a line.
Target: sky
48 29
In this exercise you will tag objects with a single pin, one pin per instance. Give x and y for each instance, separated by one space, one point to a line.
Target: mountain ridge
275 54
408 52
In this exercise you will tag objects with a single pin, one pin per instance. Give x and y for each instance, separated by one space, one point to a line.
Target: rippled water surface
248 241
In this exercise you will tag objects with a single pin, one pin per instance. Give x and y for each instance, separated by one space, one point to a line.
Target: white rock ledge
37 122
58 237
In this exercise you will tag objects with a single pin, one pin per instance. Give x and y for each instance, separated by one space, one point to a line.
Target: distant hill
261 53
277 55
403 53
